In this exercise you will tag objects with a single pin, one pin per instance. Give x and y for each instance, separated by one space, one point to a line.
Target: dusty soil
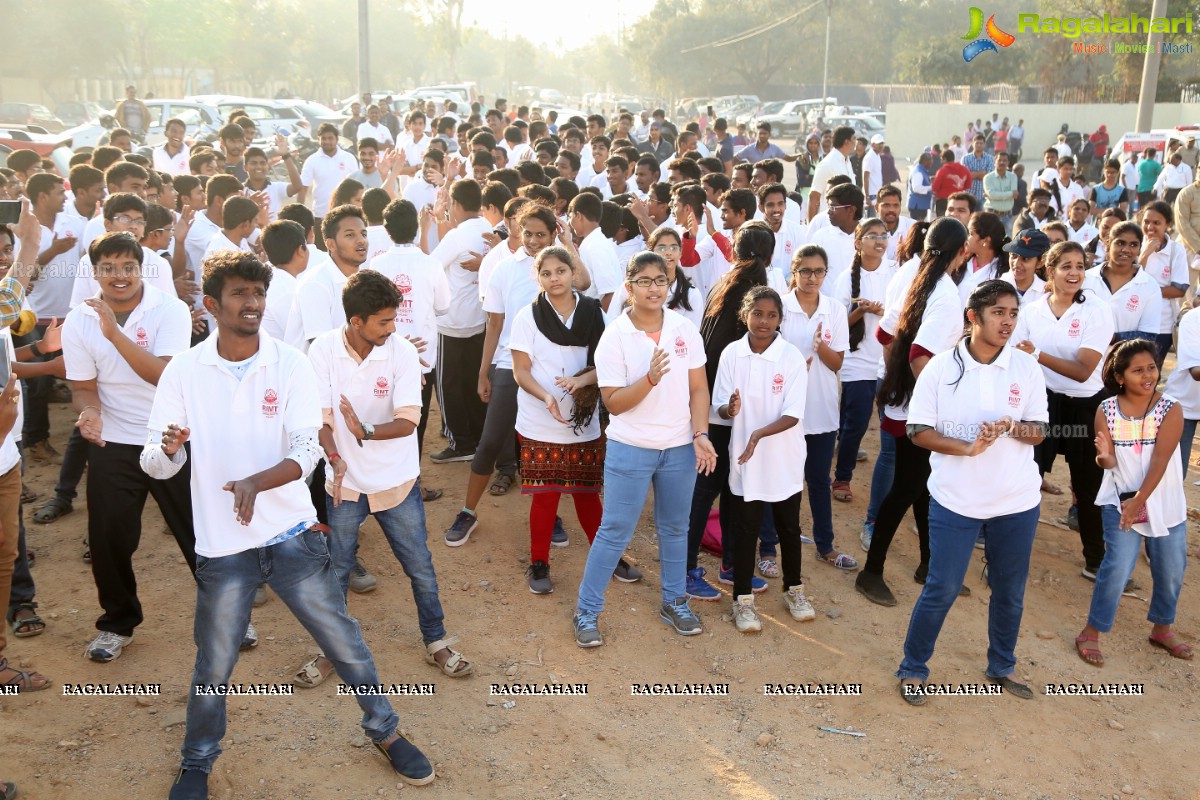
609 744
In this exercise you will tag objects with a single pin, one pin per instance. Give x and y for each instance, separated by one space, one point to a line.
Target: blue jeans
404 528
299 570
1185 443
768 536
951 543
820 496
628 474
858 398
1168 560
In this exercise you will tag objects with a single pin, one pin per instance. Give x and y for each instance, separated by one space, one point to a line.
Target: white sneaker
249 638
798 604
107 646
744 616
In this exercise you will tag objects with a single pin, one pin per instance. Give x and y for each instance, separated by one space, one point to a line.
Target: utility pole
1145 112
825 75
364 49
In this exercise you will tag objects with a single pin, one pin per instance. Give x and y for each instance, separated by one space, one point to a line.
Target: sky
583 22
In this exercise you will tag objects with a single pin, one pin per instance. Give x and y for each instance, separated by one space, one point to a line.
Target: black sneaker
462 528
1073 518
539 578
872 587
189 784
450 455
559 537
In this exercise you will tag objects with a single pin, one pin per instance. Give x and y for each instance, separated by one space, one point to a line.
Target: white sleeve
80 363
157 464
523 331
407 377
795 390
493 301
723 385
174 334
1151 315
923 406
319 358
1036 404
611 369
1098 332
306 172
441 290
841 329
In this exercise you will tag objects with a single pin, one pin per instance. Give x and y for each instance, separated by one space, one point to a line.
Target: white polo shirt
1136 306
897 236
1180 383
414 152
1087 231
326 172
987 272
50 294
1069 194
317 306
839 249
548 361
863 363
834 163
387 380
872 167
173 164
464 318
664 418
277 197
156 272
1169 266
1003 479
512 287
788 239
280 295
379 133
599 255
772 384
822 412
487 267
423 194
239 428
695 314
424 290
1083 326
1033 293
160 325
199 235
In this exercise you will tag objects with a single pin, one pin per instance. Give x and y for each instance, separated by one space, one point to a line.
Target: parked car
29 137
863 125
200 118
267 114
80 112
30 114
317 113
789 119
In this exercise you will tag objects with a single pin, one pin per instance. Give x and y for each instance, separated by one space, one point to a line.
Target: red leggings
545 509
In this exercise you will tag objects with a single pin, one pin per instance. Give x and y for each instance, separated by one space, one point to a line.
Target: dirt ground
609 744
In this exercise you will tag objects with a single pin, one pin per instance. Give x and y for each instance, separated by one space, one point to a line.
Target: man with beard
887 205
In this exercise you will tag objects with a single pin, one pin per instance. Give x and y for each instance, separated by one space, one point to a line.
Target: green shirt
1148 170
998 191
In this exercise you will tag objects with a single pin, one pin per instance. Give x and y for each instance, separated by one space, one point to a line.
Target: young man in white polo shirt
373 128
318 304
789 236
326 168
368 382
172 155
258 168
239 392
116 345
837 162
596 251
287 250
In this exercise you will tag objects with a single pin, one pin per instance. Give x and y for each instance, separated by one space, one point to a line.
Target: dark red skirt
565 468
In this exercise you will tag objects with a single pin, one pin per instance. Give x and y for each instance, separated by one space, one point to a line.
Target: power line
756 31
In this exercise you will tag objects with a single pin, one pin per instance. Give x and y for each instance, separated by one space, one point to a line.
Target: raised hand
659 366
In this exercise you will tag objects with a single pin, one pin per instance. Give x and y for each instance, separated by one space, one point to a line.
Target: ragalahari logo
995 36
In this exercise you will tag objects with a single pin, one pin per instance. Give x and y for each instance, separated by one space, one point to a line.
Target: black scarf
585 330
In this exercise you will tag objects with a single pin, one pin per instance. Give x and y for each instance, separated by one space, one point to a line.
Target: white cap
877 139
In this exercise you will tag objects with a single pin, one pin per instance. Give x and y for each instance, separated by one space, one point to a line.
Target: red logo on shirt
404 284
777 384
1014 394
787 247
381 387
680 346
1074 329
142 341
1132 304
270 404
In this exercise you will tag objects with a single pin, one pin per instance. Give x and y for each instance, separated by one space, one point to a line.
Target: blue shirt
1108 198
976 163
752 154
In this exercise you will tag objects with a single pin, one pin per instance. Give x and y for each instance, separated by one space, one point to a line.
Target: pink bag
712 533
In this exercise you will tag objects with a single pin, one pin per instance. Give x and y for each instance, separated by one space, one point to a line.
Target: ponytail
859 329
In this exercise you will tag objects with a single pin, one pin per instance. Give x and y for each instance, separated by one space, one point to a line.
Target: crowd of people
603 308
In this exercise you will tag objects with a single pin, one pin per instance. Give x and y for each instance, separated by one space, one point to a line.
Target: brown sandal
24 681
841 491
1091 655
1181 649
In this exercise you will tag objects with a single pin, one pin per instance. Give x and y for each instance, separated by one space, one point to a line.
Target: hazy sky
570 25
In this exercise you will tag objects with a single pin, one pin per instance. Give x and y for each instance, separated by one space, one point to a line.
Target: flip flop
1183 650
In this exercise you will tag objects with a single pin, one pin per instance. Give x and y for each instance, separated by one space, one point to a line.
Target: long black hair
943 242
988 226
859 329
913 242
982 297
753 248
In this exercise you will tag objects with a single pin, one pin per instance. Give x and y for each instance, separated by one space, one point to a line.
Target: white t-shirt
1180 383
465 316
172 164
1136 306
941 325
378 242
277 197
864 363
323 173
1169 266
771 384
1033 293
487 266
424 289
897 236
664 418
414 152
423 194
50 294
695 314
280 296
1084 235
387 380
379 133
156 272
839 249
788 239
988 272
253 418
1083 326
1069 193
160 325
872 168
317 306
599 255
548 361
1003 479
834 163
199 235
512 287
711 267
822 413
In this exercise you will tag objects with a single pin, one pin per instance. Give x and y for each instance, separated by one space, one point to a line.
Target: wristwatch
368 431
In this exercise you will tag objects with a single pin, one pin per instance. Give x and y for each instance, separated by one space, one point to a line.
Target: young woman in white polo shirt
815 324
650 368
761 385
553 348
1025 262
861 290
1068 332
931 322
979 409
1165 260
1142 499
1133 297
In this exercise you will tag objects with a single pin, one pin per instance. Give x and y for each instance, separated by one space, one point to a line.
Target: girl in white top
979 409
684 299
1025 262
985 240
553 346
931 322
762 386
1133 297
816 324
650 367
1142 498
1165 260
1068 332
861 290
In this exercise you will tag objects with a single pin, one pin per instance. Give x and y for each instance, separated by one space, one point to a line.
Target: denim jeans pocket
201 563
314 543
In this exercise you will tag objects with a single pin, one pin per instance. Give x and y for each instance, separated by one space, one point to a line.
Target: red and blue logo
994 37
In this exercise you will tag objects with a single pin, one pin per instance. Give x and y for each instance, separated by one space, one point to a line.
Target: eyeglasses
646 283
835 208
168 229
875 237
130 222
809 274
667 248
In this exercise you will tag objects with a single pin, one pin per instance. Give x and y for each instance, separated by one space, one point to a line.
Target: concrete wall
913 126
